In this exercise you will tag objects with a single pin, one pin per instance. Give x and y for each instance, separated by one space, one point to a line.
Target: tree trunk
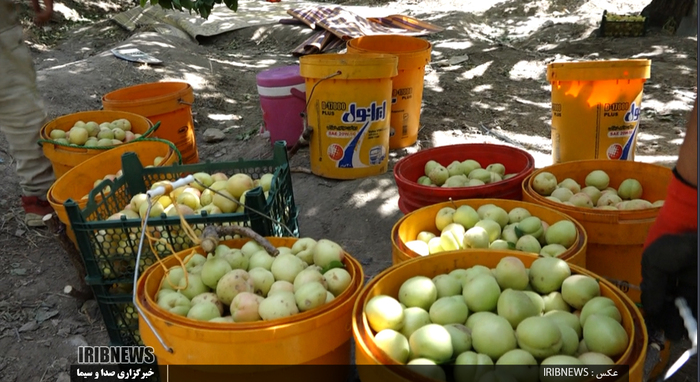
667 13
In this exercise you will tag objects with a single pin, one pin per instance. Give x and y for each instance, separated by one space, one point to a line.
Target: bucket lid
349 66
599 70
280 76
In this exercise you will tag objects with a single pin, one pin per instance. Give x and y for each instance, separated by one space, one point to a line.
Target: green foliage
200 7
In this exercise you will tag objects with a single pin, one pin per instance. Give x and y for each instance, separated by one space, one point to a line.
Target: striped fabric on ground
337 25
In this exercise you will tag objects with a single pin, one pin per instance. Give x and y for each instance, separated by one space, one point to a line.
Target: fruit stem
211 234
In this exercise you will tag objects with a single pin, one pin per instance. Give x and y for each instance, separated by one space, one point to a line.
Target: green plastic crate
109 247
613 25
118 313
120 318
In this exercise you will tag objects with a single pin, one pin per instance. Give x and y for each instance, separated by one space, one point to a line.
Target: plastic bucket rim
408 59
581 235
45 131
354 59
342 307
600 64
359 311
145 302
98 197
398 175
574 71
384 66
426 44
185 90
619 214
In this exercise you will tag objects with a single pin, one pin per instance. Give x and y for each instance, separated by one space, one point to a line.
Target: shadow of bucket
595 108
348 100
407 86
167 102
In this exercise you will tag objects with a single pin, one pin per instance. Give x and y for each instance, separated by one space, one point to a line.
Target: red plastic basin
413 196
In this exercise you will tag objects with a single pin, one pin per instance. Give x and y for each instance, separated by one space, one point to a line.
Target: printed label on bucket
606 130
363 146
626 130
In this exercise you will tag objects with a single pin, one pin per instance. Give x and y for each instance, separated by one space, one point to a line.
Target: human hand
669 270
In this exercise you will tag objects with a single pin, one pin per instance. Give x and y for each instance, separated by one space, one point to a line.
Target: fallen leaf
28 327
63 332
43 315
457 60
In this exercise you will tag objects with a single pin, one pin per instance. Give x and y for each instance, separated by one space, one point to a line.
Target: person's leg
22 114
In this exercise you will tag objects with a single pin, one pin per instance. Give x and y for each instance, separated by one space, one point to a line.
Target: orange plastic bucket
595 108
615 238
167 102
407 87
77 183
318 337
390 280
408 227
64 158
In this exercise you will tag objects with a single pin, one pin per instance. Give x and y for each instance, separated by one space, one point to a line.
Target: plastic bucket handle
305 113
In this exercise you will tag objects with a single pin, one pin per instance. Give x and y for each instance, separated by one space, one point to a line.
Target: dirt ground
488 68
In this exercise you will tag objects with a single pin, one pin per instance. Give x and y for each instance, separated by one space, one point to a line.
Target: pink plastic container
282 99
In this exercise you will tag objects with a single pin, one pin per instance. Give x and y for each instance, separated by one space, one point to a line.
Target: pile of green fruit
216 194
93 134
492 227
247 284
509 315
597 192
190 200
112 177
468 173
129 318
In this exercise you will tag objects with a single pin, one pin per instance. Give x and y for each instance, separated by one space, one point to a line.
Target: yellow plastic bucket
321 336
348 100
167 102
615 238
410 225
390 280
595 108
407 90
